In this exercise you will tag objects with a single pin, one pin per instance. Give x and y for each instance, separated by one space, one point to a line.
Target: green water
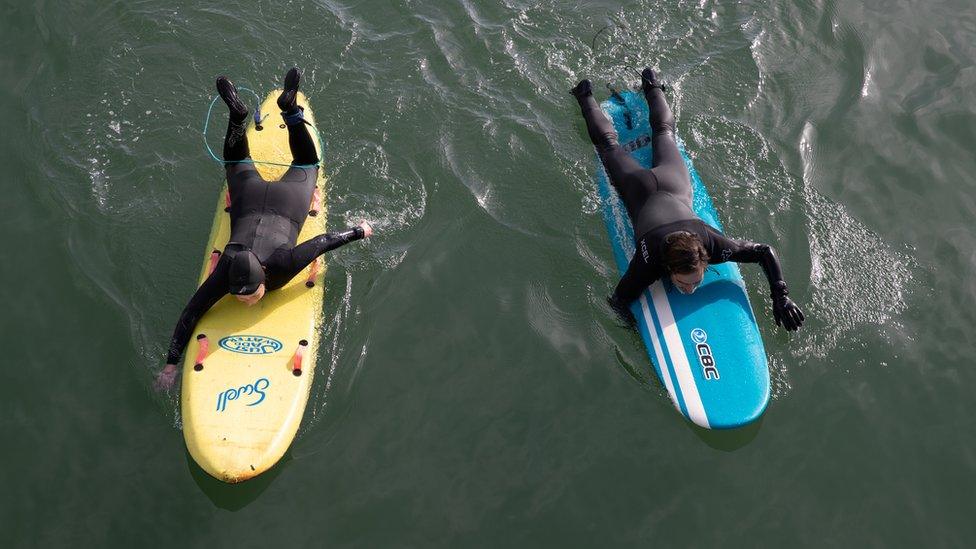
474 390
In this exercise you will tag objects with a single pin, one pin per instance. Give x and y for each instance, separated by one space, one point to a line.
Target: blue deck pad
705 347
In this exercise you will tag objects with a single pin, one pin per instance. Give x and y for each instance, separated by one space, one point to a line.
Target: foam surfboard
242 397
706 348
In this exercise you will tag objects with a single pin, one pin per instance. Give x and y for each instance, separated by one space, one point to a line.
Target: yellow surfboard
248 370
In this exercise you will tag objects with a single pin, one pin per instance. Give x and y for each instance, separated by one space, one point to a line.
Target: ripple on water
562 330
856 279
480 189
332 346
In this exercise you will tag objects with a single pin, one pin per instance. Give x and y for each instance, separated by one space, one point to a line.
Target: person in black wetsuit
266 218
671 240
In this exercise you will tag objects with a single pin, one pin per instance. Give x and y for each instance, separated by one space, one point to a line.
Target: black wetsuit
266 218
658 201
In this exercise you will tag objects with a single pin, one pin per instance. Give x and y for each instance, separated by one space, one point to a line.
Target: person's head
246 277
251 299
684 258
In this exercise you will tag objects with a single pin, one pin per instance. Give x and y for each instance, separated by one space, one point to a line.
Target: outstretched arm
307 251
785 312
208 294
744 251
290 263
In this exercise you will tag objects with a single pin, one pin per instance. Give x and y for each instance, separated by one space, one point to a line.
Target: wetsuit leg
668 165
633 182
294 192
292 195
301 144
235 150
247 189
235 141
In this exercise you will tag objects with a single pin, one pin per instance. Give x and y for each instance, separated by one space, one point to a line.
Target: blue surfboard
705 347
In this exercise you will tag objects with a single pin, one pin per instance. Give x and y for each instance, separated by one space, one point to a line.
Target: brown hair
683 252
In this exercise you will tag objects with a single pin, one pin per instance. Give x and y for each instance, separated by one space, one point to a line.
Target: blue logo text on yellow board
256 389
251 344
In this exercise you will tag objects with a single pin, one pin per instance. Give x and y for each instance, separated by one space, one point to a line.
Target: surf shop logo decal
705 358
256 389
251 344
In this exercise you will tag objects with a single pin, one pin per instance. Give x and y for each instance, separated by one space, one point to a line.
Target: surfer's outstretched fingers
798 317
367 228
787 314
166 378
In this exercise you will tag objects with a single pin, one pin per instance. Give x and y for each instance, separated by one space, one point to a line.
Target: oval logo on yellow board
251 344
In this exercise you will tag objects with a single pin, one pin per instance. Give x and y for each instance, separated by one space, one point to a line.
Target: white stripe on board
676 349
658 352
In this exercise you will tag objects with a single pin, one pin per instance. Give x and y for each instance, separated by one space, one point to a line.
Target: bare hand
367 228
166 377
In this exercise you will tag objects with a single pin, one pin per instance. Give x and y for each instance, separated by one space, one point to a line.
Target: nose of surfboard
242 409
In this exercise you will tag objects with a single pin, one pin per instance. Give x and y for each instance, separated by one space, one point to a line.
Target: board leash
595 53
258 119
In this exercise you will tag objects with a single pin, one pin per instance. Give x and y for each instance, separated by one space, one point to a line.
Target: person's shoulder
701 223
719 246
702 229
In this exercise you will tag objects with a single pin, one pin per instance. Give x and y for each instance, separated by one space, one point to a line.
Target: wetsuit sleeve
206 296
306 252
639 275
744 251
786 313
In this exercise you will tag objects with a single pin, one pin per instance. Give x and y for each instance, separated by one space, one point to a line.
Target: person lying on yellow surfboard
266 219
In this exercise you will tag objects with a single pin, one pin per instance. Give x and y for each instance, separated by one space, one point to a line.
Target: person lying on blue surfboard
265 219
671 240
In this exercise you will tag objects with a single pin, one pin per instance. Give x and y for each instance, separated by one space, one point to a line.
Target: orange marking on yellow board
316 204
296 366
214 258
313 271
201 352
